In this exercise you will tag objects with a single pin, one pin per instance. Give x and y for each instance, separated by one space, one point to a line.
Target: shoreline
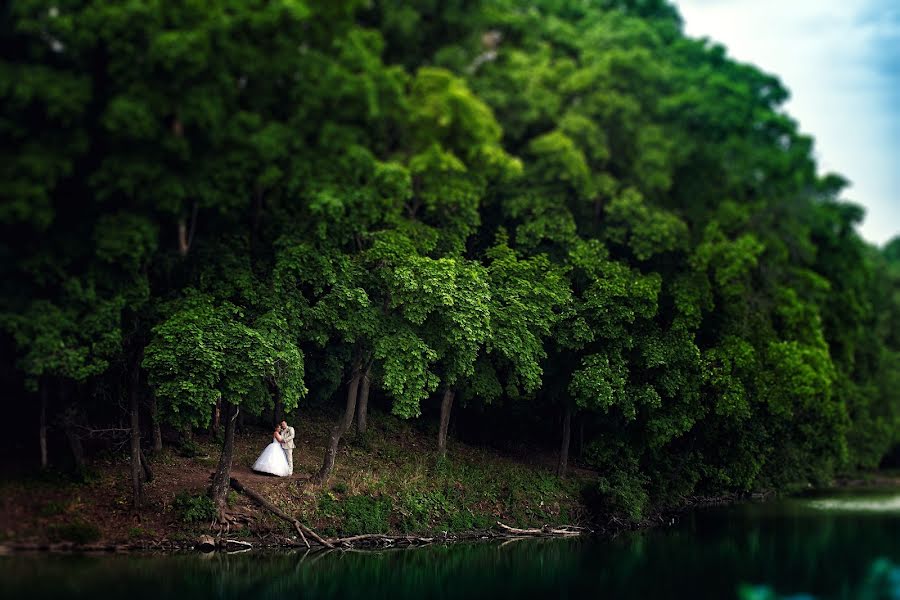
168 547
378 542
379 497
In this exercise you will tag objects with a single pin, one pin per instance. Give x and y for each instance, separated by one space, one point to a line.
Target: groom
285 435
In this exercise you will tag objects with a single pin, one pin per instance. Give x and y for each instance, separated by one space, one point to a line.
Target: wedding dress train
272 460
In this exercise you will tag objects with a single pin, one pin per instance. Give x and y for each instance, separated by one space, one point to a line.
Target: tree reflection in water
798 548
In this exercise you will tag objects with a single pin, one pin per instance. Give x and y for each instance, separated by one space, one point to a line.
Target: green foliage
53 508
622 487
78 532
139 533
548 207
357 514
188 447
203 353
194 508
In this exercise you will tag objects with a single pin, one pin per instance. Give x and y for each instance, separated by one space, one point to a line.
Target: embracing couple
278 457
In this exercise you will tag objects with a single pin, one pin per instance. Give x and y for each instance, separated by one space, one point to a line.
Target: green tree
204 352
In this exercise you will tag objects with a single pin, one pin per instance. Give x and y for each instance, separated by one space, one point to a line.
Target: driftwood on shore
377 540
208 543
545 531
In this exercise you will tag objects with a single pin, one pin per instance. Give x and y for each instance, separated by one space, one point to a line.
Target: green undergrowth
197 508
390 485
78 532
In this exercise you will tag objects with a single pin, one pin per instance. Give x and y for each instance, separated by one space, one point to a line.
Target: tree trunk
341 426
186 235
258 202
278 411
42 432
446 406
566 438
362 411
217 415
145 464
580 436
71 433
134 405
222 477
155 429
77 448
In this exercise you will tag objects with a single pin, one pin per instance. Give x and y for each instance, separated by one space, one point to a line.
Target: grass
390 485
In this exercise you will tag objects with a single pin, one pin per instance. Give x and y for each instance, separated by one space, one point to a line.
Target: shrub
419 508
623 488
364 514
79 532
138 533
358 514
194 508
188 448
624 494
53 508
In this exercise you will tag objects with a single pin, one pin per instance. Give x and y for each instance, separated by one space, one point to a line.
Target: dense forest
561 223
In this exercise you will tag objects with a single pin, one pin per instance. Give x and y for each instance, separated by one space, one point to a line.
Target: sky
841 61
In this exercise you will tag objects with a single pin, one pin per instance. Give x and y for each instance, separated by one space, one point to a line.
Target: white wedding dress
272 460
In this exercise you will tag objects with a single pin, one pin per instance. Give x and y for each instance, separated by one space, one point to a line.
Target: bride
272 460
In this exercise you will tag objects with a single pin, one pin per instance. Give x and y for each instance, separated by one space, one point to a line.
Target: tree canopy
551 209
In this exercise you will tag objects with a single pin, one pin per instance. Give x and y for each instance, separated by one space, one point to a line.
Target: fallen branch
360 538
370 539
300 527
92 432
302 537
545 531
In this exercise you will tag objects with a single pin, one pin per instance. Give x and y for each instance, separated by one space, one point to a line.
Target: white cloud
828 53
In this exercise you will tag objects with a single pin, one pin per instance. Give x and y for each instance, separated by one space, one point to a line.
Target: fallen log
206 543
545 531
386 540
362 538
300 527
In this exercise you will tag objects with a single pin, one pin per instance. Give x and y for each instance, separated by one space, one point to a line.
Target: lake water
843 545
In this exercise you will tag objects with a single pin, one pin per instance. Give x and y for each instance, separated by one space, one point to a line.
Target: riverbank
786 548
388 482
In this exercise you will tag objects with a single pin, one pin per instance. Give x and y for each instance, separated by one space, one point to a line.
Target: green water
836 546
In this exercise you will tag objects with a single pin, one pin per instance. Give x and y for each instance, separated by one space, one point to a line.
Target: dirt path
252 478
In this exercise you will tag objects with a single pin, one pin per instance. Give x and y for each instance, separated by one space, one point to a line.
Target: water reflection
791 549
890 504
881 583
